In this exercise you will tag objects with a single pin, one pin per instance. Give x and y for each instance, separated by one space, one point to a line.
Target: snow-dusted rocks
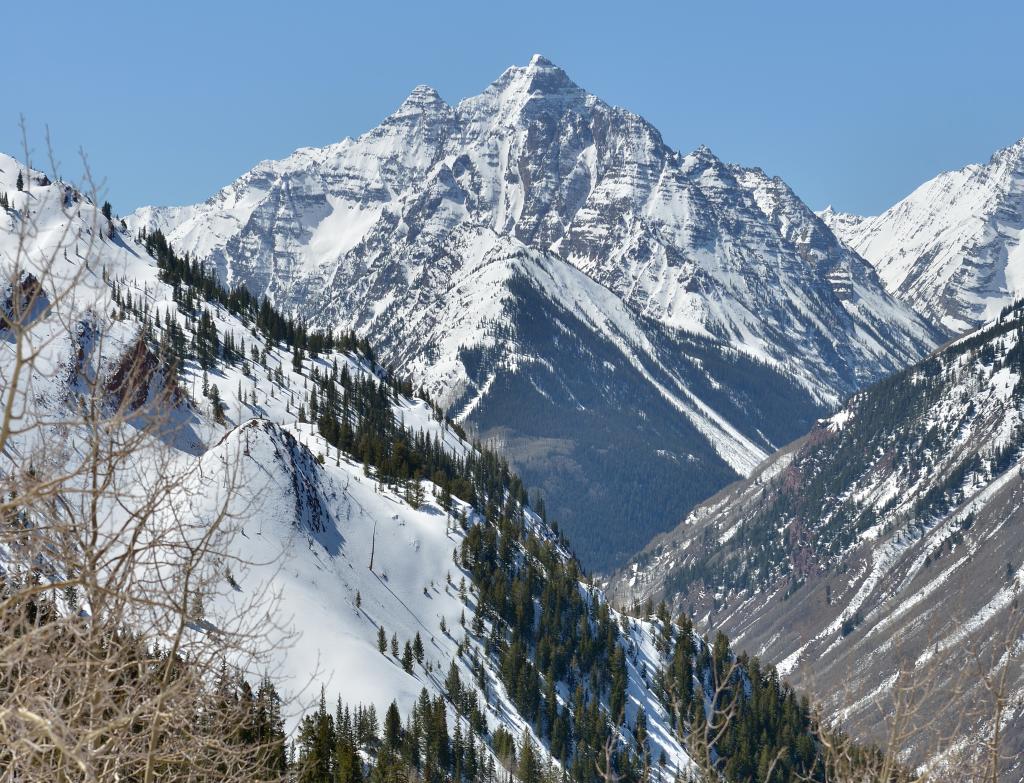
953 248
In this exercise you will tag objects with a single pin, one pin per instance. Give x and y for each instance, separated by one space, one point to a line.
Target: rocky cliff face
952 249
454 234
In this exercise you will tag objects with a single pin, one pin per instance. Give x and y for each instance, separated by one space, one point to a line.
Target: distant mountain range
635 327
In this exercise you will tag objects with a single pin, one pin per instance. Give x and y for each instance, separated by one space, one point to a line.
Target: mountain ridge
952 249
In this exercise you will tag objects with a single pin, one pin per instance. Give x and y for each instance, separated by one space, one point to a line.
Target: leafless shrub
121 639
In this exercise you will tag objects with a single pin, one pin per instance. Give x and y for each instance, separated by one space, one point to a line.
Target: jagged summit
546 77
422 96
522 92
701 158
840 223
1014 154
543 75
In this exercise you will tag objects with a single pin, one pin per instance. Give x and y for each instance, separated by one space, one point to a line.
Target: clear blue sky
853 104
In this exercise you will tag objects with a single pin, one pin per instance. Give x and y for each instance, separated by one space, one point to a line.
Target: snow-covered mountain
887 539
495 246
267 436
953 248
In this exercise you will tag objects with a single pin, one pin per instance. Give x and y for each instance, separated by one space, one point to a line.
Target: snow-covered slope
953 248
308 516
426 230
888 536
315 531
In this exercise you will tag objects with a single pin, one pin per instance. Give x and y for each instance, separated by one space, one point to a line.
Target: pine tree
382 640
392 727
446 498
407 658
528 770
458 751
348 767
316 741
640 729
550 704
20 184
417 648
269 729
617 697
417 491
453 684
216 404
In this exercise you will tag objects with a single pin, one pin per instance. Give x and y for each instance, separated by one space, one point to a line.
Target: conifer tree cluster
348 745
203 285
770 730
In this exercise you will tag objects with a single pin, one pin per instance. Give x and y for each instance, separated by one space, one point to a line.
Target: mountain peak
540 62
830 213
843 224
700 159
422 98
1014 153
949 248
546 77
539 77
